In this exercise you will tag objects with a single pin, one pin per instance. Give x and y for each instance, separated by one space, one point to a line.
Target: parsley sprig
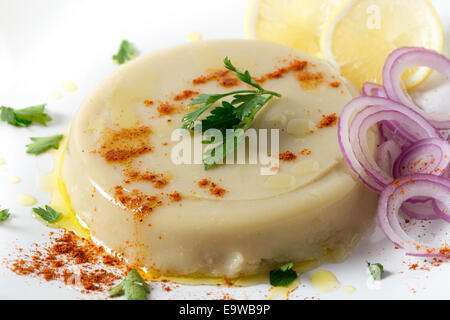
133 287
24 117
237 114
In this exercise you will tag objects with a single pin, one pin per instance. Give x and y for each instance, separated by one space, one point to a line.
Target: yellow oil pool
324 281
27 200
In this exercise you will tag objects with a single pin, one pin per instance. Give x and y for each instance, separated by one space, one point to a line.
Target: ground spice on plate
72 260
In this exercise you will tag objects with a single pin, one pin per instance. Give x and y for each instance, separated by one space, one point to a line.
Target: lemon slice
295 23
360 34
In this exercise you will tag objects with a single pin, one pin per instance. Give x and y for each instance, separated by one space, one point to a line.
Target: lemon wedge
295 23
360 34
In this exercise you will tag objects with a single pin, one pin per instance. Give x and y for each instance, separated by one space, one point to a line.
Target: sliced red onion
427 156
386 129
371 89
392 130
361 124
387 153
390 60
411 161
353 134
414 149
392 198
402 59
420 209
439 208
395 54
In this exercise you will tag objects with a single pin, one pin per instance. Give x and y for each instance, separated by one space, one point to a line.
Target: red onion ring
413 160
394 195
387 153
404 58
440 211
352 134
427 156
371 89
362 122
387 129
392 130
390 60
420 209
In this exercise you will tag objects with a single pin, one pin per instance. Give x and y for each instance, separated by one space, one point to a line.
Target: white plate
44 43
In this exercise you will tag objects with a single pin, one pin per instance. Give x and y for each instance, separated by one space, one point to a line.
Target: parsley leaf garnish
133 287
4 215
221 117
237 114
24 117
125 54
243 76
40 145
283 276
376 270
48 214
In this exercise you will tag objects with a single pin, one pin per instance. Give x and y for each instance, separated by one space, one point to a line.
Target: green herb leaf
7 114
243 76
221 118
133 287
209 163
48 214
24 117
34 114
376 270
40 145
284 276
4 215
212 159
239 114
207 100
125 54
248 104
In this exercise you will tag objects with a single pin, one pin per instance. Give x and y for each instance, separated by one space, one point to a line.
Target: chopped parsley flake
125 54
48 214
133 287
283 276
4 215
24 117
40 145
376 270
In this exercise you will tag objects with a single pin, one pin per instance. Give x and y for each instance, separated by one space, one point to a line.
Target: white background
46 42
